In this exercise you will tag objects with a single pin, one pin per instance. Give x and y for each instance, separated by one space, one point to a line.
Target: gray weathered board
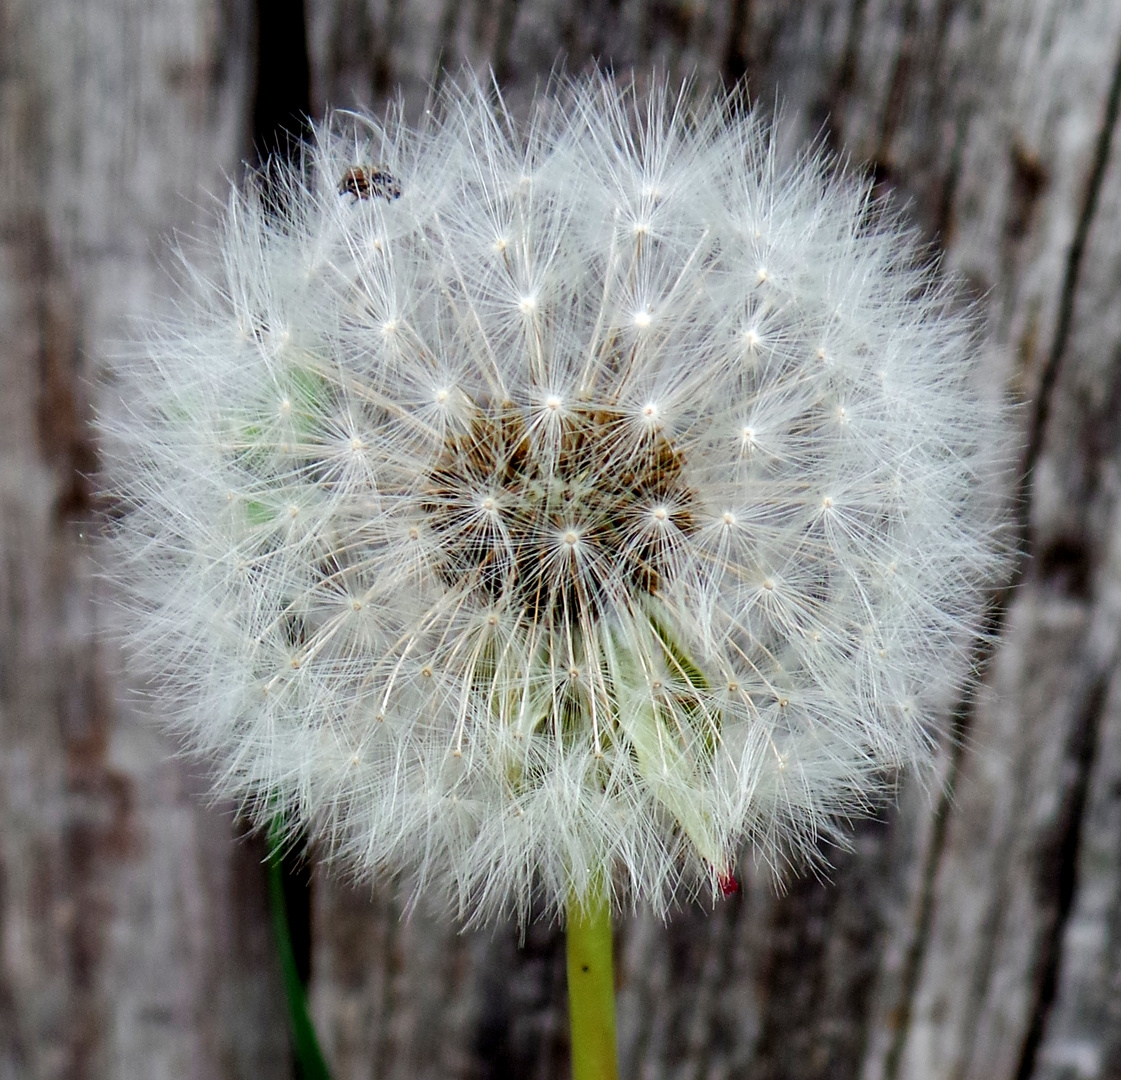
970 935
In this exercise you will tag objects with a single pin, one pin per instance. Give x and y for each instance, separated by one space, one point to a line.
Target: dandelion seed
609 622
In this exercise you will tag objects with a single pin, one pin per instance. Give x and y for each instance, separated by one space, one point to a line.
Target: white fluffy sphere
522 505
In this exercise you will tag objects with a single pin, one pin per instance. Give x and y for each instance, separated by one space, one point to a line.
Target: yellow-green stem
591 989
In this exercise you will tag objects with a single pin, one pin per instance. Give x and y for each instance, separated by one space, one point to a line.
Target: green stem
591 989
309 1058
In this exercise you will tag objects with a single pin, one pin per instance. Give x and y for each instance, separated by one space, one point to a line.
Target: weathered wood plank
135 939
965 938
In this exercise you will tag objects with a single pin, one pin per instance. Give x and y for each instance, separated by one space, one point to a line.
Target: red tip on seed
728 884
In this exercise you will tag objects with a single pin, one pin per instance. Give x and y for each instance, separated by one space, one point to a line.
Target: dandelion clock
556 512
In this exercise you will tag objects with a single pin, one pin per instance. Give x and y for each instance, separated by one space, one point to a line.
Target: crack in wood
1059 873
282 97
505 19
1049 376
281 104
737 62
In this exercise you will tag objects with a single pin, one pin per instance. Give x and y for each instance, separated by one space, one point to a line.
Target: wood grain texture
133 930
970 934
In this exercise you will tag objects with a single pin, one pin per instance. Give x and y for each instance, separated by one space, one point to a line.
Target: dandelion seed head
613 500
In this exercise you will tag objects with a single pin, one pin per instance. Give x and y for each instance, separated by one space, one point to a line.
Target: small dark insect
367 181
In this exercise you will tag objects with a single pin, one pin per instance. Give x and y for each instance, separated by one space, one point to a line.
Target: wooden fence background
971 935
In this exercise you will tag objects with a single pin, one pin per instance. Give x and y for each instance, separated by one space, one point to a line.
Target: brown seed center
555 517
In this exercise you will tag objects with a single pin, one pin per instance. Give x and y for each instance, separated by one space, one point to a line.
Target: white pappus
528 504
